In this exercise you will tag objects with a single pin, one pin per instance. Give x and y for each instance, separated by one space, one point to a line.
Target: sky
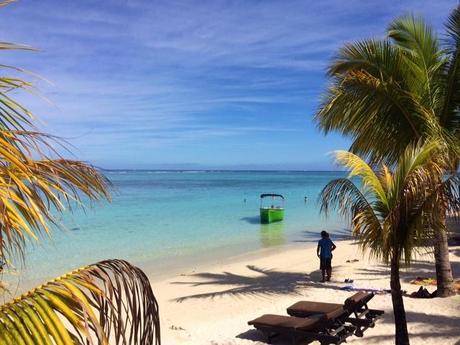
149 84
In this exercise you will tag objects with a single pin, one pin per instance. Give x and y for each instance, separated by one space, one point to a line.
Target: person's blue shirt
326 247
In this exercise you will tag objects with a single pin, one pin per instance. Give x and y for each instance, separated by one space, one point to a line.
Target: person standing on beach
324 252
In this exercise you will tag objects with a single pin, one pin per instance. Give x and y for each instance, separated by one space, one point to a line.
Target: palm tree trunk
443 269
401 335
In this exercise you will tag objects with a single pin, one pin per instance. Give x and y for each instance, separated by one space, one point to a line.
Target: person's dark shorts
325 263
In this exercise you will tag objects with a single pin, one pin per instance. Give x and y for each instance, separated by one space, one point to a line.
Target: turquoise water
160 217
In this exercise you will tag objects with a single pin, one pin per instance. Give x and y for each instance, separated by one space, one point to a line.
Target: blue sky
192 84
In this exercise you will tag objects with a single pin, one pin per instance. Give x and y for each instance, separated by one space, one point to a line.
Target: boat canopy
272 195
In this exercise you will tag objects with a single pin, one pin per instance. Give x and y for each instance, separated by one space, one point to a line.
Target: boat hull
270 215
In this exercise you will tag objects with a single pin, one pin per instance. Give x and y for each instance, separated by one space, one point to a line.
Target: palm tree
387 94
392 215
108 301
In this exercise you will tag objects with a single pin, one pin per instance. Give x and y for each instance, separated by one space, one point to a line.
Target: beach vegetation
392 212
386 94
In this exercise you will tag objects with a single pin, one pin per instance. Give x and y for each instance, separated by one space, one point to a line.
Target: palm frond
6 2
110 302
13 115
32 191
358 167
344 196
376 57
425 213
422 55
417 166
449 116
451 192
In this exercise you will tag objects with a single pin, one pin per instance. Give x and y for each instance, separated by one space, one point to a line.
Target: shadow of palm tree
428 268
420 268
336 235
267 282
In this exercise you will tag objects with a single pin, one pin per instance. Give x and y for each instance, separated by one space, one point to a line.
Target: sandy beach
212 304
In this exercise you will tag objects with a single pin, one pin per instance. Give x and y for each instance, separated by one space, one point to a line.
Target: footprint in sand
181 333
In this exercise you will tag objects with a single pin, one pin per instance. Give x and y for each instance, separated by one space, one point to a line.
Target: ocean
161 218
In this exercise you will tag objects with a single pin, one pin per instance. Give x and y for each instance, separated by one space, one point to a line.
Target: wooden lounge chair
357 311
327 329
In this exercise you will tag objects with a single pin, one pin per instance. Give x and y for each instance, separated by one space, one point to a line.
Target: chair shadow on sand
266 282
444 325
439 326
447 325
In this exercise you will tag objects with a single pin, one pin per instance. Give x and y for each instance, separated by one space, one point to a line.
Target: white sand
211 305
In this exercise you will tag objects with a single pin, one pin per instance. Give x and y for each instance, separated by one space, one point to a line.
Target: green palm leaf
422 56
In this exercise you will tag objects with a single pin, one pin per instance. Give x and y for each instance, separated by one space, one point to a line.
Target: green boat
274 212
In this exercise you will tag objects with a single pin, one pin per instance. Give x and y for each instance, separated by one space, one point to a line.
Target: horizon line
219 170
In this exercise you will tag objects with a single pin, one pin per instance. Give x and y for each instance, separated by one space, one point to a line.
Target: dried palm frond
110 302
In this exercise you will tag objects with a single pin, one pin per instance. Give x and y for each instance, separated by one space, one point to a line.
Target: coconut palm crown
390 93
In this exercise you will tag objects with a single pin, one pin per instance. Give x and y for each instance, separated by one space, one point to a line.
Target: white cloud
161 73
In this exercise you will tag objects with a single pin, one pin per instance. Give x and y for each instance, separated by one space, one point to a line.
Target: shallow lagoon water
164 216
